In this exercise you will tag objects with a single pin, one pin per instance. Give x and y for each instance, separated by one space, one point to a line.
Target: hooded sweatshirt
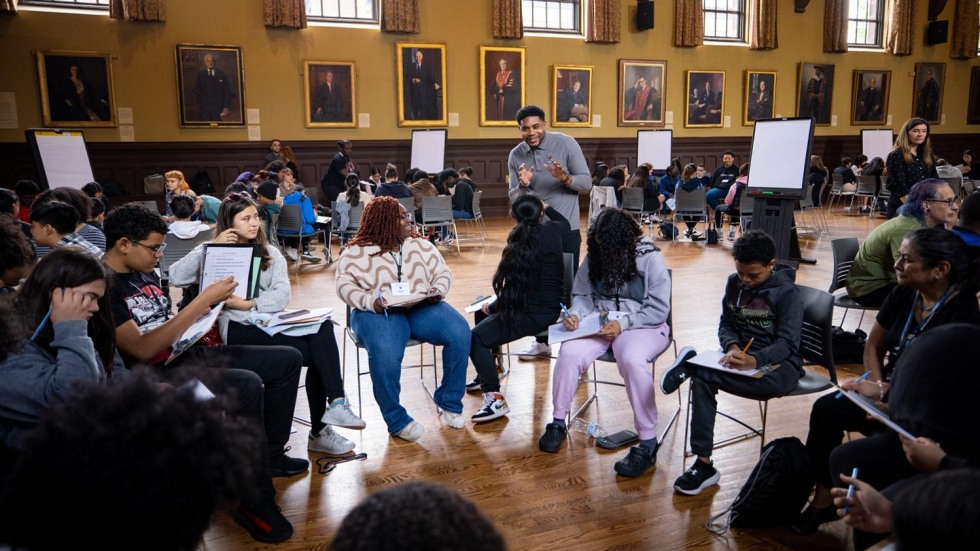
189 229
771 314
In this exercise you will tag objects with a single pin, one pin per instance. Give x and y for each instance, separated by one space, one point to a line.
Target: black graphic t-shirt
137 296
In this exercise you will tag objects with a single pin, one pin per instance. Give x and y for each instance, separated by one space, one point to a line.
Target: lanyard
398 263
907 336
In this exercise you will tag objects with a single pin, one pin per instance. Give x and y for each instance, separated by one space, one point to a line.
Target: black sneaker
551 440
474 385
283 465
812 517
264 521
676 373
698 477
637 462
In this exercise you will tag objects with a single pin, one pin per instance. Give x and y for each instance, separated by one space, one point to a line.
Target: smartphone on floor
617 440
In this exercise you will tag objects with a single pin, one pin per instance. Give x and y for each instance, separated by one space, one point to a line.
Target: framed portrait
816 86
210 86
421 84
571 99
501 85
642 92
973 107
869 99
329 92
76 89
928 92
705 99
760 96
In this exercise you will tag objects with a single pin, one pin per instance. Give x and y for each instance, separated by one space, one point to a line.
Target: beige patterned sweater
360 275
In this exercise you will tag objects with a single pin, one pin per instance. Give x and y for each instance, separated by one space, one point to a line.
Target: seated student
97 216
176 185
82 204
417 515
722 179
347 200
936 282
668 183
268 205
732 201
391 186
9 207
761 317
238 222
445 181
421 189
265 378
622 272
16 257
183 227
846 174
97 194
689 182
616 179
529 287
463 192
701 177
817 175
156 489
53 224
872 275
369 266
969 226
859 163
26 191
298 197
652 197
466 173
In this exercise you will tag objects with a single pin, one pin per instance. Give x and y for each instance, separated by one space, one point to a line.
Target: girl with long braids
622 272
385 258
528 284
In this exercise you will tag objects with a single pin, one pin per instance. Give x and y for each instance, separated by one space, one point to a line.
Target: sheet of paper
223 261
710 359
195 332
587 326
479 302
868 405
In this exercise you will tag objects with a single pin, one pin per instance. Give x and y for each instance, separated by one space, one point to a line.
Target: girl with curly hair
529 288
623 275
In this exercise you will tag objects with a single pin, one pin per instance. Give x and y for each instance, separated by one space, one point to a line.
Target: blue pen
44 321
381 297
859 379
565 310
850 490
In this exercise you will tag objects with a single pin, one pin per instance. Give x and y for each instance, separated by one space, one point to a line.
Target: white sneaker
310 257
339 414
534 351
412 432
290 253
454 420
329 441
494 406
731 233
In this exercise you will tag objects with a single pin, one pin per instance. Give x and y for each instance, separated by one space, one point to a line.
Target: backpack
711 236
668 230
848 346
776 490
201 183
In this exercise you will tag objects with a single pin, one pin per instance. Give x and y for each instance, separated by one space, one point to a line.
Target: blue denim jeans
385 338
462 215
715 196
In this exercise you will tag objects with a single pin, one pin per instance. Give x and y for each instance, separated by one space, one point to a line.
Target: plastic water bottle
585 427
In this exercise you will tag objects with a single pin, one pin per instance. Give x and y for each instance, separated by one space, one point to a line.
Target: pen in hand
565 310
850 490
384 304
859 379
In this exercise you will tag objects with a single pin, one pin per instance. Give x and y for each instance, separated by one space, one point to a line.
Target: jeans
385 337
705 383
462 215
320 355
634 349
490 333
715 196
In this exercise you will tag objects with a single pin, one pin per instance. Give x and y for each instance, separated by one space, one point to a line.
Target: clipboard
711 358
242 261
868 405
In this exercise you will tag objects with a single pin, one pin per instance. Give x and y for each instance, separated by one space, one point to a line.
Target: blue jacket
306 206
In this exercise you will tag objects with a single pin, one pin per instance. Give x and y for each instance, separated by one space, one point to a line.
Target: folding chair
477 222
845 250
177 248
438 212
867 187
290 225
837 190
409 204
689 204
353 224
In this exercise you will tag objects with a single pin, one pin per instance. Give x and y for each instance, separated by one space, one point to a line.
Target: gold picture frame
816 92
571 100
210 86
705 103
760 96
642 92
421 84
76 89
502 89
927 95
869 98
329 89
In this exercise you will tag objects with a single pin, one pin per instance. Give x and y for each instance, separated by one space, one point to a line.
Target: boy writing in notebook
761 317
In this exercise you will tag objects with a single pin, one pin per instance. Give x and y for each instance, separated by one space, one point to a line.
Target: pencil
746 349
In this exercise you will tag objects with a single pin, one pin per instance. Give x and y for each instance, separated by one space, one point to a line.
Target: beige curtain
284 13
835 26
900 32
508 20
604 21
963 43
764 25
138 10
400 16
688 23
8 6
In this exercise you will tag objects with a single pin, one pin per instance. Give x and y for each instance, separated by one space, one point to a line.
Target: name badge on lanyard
399 288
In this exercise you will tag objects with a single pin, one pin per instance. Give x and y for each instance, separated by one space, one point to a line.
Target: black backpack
668 230
849 346
776 490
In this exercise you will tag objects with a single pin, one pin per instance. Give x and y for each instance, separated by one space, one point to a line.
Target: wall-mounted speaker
644 15
937 33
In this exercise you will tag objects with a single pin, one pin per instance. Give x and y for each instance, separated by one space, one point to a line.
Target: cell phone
617 440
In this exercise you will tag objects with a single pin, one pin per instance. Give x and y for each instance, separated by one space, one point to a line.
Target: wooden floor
572 499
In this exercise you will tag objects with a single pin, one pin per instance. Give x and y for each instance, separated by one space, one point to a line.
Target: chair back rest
409 204
273 228
355 217
151 204
845 250
816 343
806 202
290 219
437 210
883 192
569 276
746 203
867 185
178 248
476 204
689 201
956 184
314 195
633 199
837 182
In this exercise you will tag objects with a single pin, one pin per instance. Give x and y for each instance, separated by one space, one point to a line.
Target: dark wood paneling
129 163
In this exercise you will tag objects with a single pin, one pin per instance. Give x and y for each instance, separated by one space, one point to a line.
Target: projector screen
653 146
780 157
877 143
429 150
61 157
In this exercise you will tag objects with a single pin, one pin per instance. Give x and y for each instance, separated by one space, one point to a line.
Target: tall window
865 19
89 4
343 11
553 16
724 20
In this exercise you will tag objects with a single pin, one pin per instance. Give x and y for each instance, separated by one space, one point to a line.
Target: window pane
343 11
724 20
94 4
864 22
552 15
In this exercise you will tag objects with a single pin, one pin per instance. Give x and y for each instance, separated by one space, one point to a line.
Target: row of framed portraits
76 90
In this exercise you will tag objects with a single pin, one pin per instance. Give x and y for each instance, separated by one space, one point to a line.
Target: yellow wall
144 73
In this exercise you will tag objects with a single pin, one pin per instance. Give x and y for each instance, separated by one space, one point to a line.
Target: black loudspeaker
644 15
938 32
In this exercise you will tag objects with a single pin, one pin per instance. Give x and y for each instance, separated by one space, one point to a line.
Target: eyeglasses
949 202
407 216
156 249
